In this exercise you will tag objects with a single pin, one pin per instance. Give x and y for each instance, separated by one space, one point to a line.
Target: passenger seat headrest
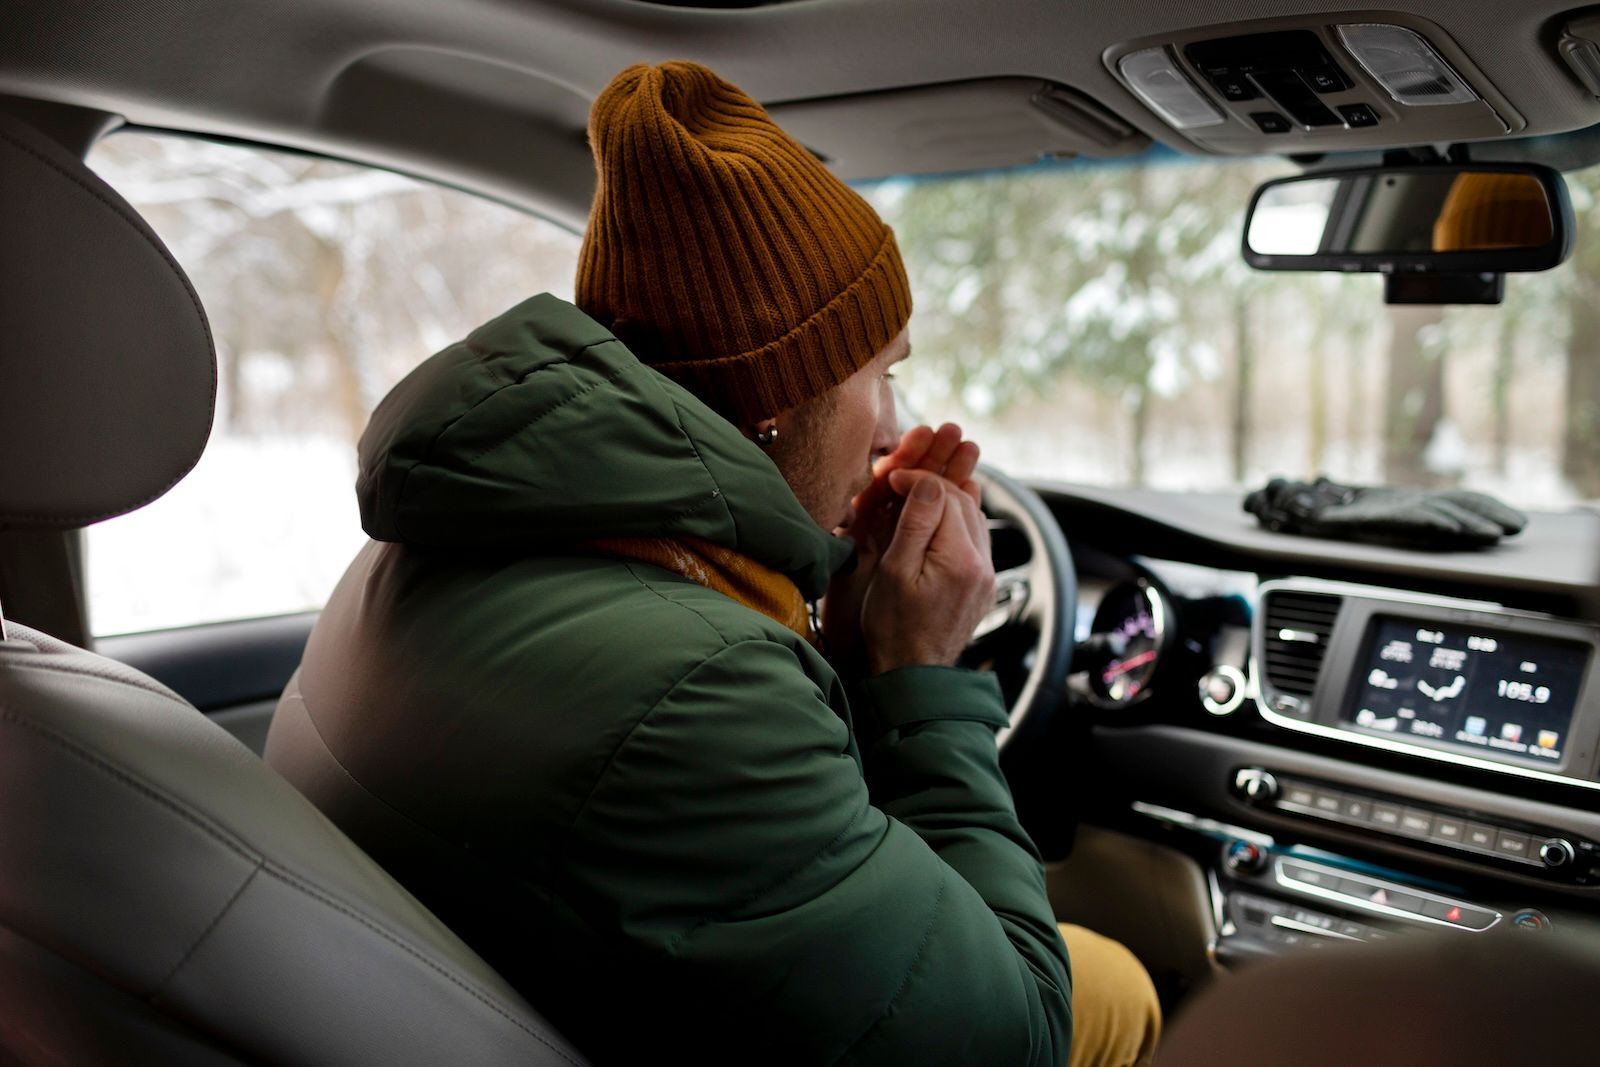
108 377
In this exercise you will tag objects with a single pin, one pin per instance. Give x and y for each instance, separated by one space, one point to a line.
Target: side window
324 283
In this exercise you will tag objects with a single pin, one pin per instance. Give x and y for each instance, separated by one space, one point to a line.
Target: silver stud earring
765 438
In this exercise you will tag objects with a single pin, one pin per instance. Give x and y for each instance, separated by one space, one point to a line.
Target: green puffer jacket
654 809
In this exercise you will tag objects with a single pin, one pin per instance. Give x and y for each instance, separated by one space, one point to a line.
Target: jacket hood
541 430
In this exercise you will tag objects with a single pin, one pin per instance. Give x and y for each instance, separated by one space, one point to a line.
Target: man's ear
765 432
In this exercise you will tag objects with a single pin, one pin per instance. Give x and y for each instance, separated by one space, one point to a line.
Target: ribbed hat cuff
832 344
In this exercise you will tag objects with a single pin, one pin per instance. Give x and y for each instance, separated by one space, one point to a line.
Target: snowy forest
1086 323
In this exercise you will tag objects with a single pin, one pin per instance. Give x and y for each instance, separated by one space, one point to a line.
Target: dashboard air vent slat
1295 631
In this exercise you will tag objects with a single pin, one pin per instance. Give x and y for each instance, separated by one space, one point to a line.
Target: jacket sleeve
732 835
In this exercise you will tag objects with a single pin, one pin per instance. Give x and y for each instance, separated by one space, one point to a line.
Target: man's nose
886 435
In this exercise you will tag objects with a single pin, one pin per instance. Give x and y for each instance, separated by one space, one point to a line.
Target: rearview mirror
1466 219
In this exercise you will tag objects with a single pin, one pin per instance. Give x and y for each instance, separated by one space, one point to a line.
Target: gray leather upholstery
143 845
165 897
109 377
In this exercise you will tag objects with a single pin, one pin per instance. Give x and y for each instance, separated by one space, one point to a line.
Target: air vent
1295 631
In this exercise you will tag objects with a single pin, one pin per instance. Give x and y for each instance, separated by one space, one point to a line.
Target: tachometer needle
1128 664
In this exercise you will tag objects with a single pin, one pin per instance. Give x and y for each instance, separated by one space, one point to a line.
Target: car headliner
492 95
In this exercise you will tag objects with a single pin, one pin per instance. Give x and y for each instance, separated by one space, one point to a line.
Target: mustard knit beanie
723 254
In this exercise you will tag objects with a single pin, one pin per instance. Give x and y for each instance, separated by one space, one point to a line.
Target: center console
1455 681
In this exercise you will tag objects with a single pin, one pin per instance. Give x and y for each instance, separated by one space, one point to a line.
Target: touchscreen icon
1476 725
1369 718
1511 732
1396 652
1548 738
1441 693
1380 679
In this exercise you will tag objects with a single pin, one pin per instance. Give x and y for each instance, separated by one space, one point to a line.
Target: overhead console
1456 681
1320 83
969 125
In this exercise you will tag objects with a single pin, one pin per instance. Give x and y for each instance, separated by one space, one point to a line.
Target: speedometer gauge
1130 636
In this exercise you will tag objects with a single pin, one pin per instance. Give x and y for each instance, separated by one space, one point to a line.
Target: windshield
1097 324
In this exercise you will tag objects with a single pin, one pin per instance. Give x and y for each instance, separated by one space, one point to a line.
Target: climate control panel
1553 852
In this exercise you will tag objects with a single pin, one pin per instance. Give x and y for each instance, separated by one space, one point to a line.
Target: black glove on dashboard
1412 518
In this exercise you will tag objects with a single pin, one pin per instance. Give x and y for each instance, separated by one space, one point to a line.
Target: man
572 695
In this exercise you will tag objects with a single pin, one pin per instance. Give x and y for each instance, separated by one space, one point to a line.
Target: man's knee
1116 1017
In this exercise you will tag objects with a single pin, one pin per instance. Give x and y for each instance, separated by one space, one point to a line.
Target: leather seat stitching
177 808
113 675
210 926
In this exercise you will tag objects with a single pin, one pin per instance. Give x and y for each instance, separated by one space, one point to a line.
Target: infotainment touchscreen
1491 692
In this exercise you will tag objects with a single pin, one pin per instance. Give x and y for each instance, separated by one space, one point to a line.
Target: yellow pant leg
1116 1018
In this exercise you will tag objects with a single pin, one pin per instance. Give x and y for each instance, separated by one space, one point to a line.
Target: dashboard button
1312 876
1479 836
1414 822
1357 809
1352 888
1397 899
1329 803
1511 844
1449 831
1528 919
1301 796
1244 857
1386 816
1442 910
1556 852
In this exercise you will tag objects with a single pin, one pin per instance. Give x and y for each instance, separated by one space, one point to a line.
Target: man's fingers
903 481
977 524
963 463
921 516
945 443
963 502
914 444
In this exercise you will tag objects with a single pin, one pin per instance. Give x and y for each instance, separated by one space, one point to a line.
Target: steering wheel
1027 636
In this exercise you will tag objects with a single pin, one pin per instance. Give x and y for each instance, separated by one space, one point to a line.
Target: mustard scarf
736 576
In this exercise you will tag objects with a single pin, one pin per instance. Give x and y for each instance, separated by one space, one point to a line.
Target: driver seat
164 896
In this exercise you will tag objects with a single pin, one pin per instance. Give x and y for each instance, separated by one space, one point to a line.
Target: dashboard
1351 742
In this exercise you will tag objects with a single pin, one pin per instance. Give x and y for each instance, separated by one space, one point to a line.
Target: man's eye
888 375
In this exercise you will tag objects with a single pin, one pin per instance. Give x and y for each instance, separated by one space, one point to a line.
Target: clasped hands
924 576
